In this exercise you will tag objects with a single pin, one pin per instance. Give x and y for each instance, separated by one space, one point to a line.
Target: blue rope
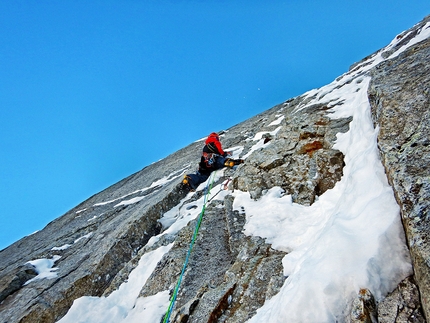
193 240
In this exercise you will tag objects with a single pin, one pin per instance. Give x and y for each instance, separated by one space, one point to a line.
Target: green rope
193 240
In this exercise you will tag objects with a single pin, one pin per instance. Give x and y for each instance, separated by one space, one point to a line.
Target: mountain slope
308 227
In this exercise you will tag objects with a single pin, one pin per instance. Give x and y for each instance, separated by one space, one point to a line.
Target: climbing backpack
210 147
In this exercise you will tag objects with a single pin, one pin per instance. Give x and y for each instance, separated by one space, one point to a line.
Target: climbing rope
193 240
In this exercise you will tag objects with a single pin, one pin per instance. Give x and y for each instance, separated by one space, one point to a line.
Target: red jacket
214 139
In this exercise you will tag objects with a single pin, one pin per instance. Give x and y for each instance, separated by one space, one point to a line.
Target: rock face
302 149
225 264
101 240
400 98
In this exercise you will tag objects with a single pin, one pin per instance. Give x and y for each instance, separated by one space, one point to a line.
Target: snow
259 135
158 183
95 217
277 121
422 35
178 217
261 141
130 201
44 269
124 304
350 238
63 247
235 151
87 236
67 246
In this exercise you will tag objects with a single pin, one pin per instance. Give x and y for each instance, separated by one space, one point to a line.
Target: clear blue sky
93 91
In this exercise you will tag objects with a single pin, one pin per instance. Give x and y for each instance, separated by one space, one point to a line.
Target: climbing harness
209 159
193 240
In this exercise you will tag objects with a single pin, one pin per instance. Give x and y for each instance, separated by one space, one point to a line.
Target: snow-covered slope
350 238
294 234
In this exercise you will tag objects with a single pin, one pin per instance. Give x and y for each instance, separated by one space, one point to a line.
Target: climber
213 158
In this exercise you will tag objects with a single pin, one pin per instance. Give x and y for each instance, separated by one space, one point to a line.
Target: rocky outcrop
94 241
401 305
301 160
399 95
225 264
230 275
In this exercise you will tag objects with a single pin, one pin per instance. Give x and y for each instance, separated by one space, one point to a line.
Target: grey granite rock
400 99
402 305
231 275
